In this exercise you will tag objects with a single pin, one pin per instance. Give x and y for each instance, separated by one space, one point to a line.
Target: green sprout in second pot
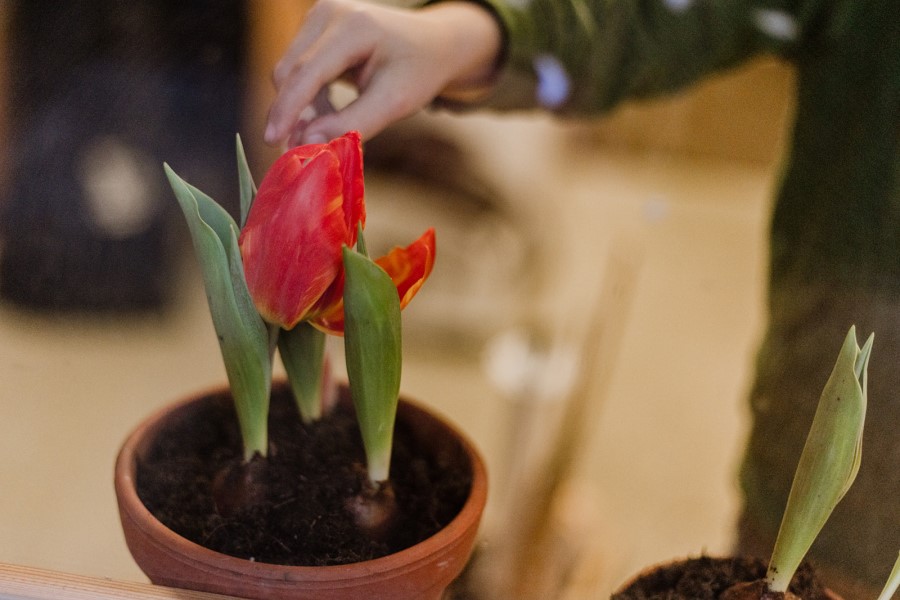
826 470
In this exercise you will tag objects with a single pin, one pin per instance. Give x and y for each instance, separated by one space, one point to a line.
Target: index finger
314 25
329 58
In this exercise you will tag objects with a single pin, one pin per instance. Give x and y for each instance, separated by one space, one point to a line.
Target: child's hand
398 60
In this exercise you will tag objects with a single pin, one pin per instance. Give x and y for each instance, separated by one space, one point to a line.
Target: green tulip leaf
829 461
373 354
243 337
245 178
361 241
302 351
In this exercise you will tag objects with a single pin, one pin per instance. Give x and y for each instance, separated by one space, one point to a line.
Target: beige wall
272 26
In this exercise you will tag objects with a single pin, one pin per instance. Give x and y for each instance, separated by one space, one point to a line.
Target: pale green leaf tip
862 360
892 584
361 241
170 172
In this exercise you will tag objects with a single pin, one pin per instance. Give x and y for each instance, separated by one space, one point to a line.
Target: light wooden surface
30 583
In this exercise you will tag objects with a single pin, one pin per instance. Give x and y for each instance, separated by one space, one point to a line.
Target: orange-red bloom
308 207
408 268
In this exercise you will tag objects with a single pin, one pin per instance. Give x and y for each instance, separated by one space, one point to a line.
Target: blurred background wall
532 215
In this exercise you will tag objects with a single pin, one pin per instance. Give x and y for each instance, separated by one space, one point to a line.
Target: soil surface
310 475
707 578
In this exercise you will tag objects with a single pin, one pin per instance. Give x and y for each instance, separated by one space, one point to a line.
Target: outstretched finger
315 23
327 60
379 106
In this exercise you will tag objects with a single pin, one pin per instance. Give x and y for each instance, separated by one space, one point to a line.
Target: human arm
399 60
571 57
610 51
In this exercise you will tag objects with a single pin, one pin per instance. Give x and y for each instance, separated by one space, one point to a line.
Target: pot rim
650 569
407 559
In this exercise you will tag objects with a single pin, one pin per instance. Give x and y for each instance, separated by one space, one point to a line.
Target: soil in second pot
706 578
310 475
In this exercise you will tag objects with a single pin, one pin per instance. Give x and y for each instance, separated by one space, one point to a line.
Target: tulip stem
302 351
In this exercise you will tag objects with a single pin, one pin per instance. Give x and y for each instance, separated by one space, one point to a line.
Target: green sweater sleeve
583 57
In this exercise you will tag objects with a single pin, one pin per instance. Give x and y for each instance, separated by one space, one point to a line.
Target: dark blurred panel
101 93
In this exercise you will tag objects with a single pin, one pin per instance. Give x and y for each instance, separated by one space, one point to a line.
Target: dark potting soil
311 473
706 578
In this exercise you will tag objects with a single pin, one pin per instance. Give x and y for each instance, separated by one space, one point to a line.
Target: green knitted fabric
835 231
835 216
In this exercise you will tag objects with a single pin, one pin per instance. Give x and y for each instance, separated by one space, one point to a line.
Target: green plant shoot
893 582
302 351
245 180
373 355
243 337
828 464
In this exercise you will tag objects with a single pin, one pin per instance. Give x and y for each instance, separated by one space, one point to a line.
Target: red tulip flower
307 209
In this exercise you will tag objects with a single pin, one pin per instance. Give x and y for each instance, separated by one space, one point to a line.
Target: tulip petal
291 243
328 313
348 149
409 267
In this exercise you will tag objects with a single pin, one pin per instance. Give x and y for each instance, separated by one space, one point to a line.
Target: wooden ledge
30 583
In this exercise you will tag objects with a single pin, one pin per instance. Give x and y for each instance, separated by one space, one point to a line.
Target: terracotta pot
420 572
657 584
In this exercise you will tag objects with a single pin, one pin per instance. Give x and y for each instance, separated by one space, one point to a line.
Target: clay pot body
659 580
420 572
